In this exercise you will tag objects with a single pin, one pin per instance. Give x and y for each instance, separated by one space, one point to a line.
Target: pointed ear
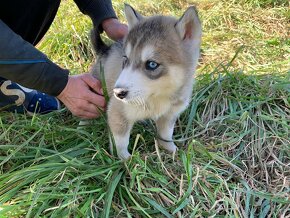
132 16
189 26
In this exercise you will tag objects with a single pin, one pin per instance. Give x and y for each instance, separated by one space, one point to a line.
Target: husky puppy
150 74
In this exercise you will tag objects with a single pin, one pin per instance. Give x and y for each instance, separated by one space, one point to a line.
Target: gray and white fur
150 74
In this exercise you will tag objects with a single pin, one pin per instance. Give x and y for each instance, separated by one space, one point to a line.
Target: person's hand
79 98
114 29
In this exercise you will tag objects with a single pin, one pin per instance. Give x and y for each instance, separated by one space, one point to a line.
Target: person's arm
21 62
97 10
104 17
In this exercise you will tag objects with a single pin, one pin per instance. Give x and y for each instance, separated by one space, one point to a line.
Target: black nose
120 93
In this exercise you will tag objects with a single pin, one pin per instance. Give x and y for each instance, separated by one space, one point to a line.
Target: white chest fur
152 110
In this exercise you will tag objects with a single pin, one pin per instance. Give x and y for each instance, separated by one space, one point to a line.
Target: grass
234 138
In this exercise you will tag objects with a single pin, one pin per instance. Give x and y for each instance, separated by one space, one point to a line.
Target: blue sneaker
16 98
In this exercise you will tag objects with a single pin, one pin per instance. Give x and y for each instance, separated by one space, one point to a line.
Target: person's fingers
114 29
93 83
80 100
91 108
86 115
119 32
97 100
86 110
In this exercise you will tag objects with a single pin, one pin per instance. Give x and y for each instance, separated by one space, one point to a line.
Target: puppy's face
158 59
150 69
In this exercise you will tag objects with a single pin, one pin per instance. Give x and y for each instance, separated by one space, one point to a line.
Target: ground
233 158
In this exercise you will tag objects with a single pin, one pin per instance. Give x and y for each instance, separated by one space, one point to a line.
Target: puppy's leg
121 142
165 126
120 128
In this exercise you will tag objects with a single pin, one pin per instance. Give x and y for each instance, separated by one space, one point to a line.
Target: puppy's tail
99 45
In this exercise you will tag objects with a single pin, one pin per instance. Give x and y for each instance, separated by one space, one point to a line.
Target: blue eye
151 65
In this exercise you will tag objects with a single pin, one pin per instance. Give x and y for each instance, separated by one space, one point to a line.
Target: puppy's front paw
123 154
169 146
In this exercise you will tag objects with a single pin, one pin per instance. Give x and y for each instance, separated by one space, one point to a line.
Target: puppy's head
160 55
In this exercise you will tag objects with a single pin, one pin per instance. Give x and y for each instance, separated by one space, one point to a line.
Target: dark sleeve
21 62
98 10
